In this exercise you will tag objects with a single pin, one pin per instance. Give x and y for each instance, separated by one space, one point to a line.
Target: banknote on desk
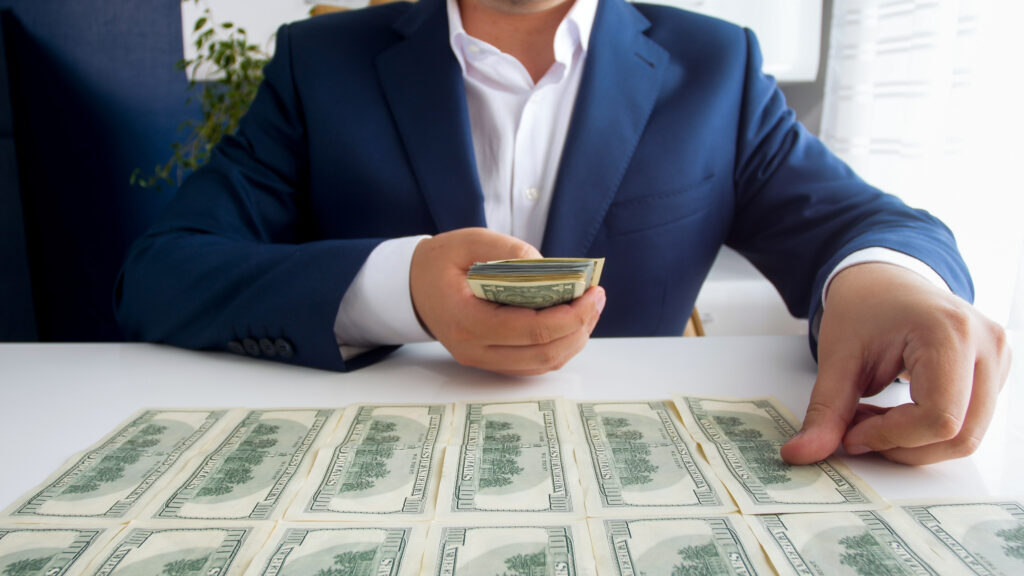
637 460
986 536
31 549
383 463
126 469
484 548
863 542
340 549
253 473
182 548
510 460
711 545
741 438
534 283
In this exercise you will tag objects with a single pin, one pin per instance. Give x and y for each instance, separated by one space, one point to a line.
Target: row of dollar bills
514 488
534 283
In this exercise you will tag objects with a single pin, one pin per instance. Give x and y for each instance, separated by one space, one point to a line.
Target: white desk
58 399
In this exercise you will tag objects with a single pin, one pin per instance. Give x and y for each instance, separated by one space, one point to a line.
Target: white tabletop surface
57 399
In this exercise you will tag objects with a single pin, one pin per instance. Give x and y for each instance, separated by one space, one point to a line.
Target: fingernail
601 299
857 450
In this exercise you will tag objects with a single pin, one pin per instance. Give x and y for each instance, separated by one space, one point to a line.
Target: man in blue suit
390 148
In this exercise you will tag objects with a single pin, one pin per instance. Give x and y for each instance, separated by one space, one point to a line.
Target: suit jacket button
236 347
284 348
267 347
251 347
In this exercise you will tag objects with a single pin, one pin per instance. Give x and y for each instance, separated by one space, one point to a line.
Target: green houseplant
225 50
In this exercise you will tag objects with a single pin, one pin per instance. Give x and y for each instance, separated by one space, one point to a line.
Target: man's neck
524 29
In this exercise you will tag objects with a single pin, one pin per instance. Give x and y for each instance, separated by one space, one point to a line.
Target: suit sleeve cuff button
268 348
284 348
251 347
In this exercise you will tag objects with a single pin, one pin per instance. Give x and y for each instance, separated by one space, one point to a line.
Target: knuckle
818 411
467 356
999 339
957 320
884 440
944 425
584 317
965 445
1007 359
523 250
541 334
547 358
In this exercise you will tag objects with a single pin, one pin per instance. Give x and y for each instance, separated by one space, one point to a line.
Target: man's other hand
486 335
880 321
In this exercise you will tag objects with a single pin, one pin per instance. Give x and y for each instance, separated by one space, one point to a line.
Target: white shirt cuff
885 255
377 307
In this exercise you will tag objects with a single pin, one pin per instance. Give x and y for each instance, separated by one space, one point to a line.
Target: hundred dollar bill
986 537
124 470
333 549
483 550
534 283
50 550
635 458
864 543
711 546
741 439
510 457
384 462
185 549
255 471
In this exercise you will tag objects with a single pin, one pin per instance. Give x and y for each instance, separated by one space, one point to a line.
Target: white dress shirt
518 129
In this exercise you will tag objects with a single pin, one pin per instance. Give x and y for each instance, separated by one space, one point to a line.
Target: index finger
497 324
940 389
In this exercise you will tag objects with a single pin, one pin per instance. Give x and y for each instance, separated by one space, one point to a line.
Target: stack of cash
538 487
534 283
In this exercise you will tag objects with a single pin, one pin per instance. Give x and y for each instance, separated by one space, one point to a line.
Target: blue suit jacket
678 144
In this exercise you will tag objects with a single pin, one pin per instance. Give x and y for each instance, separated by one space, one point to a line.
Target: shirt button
532 193
473 49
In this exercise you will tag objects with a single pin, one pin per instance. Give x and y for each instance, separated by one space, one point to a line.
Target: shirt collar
572 33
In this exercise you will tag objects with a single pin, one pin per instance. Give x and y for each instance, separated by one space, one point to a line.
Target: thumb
484 245
833 403
528 251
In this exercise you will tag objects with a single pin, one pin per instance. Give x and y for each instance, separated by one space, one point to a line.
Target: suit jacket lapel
423 84
616 96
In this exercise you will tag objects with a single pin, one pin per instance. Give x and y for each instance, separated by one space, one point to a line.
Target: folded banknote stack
534 283
527 487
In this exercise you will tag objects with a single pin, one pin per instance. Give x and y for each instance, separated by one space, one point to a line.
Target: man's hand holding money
486 335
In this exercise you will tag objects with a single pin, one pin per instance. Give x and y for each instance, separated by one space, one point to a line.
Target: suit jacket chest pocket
659 208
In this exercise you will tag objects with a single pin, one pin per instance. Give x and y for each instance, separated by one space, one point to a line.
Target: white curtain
923 99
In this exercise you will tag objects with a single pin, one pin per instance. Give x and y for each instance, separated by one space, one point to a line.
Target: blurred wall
806 97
